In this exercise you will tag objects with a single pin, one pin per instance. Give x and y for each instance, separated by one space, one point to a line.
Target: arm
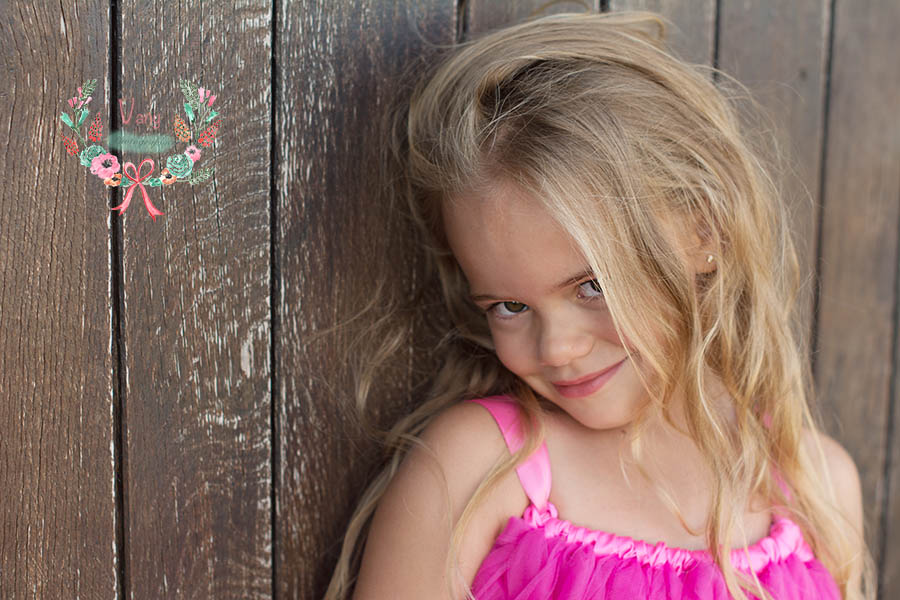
409 538
848 492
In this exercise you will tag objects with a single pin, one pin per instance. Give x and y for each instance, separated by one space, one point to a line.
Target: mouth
587 385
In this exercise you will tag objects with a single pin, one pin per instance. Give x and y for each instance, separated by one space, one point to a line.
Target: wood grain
196 318
338 66
858 278
779 52
693 32
57 464
195 313
484 15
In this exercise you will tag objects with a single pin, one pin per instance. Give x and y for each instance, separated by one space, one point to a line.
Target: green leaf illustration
87 88
65 119
210 117
200 175
191 94
188 111
185 89
84 113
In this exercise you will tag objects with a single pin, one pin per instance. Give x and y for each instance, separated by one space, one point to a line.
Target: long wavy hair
618 140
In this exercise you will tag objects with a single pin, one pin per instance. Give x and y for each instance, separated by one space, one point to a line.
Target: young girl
621 411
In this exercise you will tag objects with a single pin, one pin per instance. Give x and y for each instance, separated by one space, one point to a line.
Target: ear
694 240
700 253
698 247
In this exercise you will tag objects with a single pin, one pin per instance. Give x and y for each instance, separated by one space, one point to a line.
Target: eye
508 309
590 289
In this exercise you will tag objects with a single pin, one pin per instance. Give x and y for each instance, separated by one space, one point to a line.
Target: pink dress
540 556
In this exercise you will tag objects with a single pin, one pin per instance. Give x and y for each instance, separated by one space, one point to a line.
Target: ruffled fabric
539 556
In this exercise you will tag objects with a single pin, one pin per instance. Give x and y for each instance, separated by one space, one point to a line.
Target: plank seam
117 302
462 20
823 163
274 291
717 27
885 520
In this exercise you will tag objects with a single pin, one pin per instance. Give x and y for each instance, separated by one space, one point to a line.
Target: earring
710 258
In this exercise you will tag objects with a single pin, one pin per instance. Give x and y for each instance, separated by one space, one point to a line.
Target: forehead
507 243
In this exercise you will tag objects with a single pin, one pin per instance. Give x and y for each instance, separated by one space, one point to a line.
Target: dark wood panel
779 52
858 277
338 66
692 34
484 15
57 464
195 315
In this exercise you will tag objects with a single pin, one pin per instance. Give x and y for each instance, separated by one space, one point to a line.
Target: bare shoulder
409 539
841 470
465 442
463 431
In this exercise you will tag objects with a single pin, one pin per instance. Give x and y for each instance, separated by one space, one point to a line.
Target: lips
587 385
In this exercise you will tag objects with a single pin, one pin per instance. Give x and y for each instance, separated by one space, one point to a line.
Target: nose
563 341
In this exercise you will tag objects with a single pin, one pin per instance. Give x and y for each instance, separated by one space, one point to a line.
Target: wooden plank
693 31
57 459
779 52
331 221
195 324
858 279
484 15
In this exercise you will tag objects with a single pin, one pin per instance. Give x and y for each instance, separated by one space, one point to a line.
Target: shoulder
464 430
409 539
841 471
465 442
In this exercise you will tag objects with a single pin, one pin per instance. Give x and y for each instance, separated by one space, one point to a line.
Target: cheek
513 349
605 329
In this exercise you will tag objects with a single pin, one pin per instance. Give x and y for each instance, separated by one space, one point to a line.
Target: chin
590 417
605 424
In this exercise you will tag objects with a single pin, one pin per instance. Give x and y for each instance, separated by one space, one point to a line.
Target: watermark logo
197 133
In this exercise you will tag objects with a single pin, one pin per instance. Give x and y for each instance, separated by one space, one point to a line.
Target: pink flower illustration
75 103
193 153
204 94
105 166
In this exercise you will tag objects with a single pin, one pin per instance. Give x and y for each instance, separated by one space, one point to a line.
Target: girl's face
549 321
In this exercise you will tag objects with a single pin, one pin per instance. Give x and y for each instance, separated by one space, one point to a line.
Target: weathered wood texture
484 15
330 221
857 326
195 312
57 462
693 32
204 447
779 52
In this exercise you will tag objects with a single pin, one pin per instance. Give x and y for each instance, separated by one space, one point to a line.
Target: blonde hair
617 138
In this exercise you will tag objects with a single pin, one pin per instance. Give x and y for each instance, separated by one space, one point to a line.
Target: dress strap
782 484
534 471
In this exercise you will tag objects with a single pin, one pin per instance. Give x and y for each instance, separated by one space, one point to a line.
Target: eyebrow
568 281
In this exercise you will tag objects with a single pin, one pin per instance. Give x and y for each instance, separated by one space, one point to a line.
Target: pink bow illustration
137 179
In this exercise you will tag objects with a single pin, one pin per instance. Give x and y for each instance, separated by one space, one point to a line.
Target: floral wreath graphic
180 167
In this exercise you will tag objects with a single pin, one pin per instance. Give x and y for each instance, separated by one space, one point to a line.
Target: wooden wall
166 428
